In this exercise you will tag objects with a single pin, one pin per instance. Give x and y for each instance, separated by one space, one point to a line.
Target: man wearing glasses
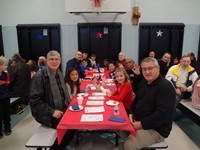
48 97
152 110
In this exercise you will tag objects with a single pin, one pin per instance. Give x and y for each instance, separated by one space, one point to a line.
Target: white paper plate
82 94
81 107
112 103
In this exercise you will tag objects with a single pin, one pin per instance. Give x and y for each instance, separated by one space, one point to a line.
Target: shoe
1 134
20 109
8 131
120 140
107 135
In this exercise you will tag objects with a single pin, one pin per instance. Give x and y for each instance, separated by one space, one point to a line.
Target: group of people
150 107
149 92
15 78
183 74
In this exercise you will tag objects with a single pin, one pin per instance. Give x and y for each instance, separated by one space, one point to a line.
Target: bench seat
161 145
188 104
43 137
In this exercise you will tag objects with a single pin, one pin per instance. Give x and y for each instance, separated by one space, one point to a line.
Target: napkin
75 107
116 119
82 91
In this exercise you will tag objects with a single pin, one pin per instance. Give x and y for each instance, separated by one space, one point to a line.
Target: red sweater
124 94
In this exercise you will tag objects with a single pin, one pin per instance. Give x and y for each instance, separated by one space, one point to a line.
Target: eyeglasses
149 68
52 59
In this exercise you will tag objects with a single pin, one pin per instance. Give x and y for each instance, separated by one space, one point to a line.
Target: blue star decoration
99 35
159 33
39 37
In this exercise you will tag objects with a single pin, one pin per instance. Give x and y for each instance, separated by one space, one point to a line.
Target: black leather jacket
41 98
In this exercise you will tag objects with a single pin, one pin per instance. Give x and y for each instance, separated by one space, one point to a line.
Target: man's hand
57 114
136 69
183 88
137 125
178 91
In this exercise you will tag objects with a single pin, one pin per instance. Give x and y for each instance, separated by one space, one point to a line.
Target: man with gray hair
151 113
182 76
49 98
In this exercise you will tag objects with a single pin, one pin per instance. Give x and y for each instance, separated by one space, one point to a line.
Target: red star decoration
99 35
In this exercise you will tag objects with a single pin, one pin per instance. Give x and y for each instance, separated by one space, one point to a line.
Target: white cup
80 100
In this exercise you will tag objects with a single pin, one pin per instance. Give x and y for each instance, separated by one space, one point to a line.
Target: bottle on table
86 89
116 110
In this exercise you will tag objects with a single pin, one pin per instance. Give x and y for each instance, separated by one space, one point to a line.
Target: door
103 39
161 37
37 40
1 42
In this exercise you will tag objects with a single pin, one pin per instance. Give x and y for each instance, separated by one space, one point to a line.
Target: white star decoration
159 33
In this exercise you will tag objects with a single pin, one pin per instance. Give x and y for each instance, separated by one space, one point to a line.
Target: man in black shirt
152 110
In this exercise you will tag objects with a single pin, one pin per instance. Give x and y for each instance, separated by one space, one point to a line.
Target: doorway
161 37
36 40
102 39
1 42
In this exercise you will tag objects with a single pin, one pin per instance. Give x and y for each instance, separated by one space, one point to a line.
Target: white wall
13 12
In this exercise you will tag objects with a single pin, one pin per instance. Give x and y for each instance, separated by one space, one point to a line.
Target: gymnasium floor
184 135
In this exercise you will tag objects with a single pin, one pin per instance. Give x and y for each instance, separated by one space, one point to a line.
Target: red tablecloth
95 72
71 119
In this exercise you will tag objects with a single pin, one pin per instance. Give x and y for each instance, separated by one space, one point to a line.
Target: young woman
124 92
196 94
72 82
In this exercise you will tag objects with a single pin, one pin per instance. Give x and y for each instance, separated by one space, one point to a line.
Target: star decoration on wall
99 35
159 33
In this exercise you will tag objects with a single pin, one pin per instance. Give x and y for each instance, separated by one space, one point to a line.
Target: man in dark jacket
48 97
152 110
20 76
74 62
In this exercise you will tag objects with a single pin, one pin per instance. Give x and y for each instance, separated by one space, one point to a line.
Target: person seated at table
83 67
152 111
121 60
133 71
49 98
105 63
93 61
85 56
124 92
72 82
112 68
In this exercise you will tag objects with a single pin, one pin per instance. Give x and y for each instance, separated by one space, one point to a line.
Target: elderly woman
133 71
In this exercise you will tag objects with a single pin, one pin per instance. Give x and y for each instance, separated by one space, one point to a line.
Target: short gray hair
52 53
150 59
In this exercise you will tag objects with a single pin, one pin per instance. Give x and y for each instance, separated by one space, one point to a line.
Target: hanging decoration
97 3
135 15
